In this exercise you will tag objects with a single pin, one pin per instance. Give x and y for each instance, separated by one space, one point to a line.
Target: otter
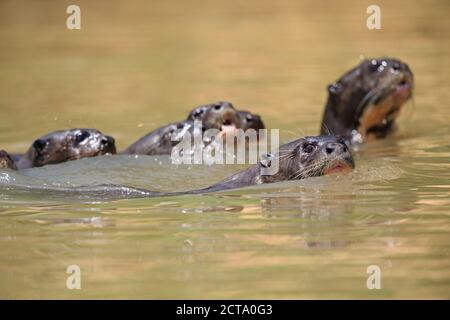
364 103
300 159
6 161
66 145
220 115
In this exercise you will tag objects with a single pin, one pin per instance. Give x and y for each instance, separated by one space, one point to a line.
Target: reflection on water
133 67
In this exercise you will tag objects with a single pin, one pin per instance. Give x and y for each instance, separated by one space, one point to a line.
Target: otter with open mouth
6 161
247 119
220 115
66 145
364 103
300 159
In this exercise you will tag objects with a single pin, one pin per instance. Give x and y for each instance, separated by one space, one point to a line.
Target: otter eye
249 118
217 107
308 148
82 136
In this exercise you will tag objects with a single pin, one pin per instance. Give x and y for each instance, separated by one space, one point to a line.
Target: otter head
250 121
61 146
365 102
220 115
199 112
6 161
312 157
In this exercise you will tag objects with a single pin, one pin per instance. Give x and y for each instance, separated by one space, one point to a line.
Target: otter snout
229 118
335 148
340 158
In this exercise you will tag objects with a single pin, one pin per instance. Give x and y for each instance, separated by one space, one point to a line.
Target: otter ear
334 88
266 160
39 145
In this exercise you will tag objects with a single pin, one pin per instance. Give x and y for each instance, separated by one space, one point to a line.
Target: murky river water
136 65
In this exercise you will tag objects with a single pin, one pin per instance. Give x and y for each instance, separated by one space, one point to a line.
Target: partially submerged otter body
66 145
221 116
161 140
300 159
303 158
365 102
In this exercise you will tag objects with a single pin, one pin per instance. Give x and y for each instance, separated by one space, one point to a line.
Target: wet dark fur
66 145
368 84
159 141
299 159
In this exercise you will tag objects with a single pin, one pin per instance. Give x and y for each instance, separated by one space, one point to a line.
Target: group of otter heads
73 144
362 105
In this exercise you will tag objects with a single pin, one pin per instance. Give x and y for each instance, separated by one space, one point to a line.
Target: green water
137 65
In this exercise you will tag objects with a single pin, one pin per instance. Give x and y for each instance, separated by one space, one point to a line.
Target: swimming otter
303 158
66 145
365 102
220 115
6 161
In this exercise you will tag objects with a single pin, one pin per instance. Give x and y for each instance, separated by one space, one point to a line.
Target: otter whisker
308 169
326 128
285 156
291 132
315 168
365 101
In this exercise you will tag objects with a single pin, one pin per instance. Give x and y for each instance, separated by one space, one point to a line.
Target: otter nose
335 148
